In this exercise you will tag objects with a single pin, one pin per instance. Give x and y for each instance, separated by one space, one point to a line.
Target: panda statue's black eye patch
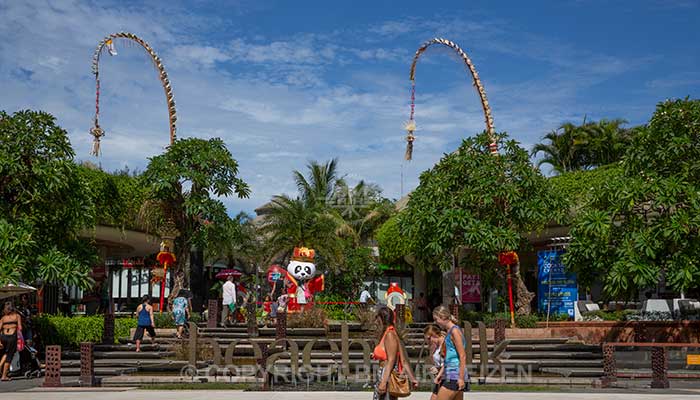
297 269
307 269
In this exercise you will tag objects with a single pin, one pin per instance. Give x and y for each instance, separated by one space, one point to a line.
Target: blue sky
285 82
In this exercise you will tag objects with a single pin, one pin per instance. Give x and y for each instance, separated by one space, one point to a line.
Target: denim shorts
454 385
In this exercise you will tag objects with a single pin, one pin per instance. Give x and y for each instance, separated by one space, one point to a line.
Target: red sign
471 288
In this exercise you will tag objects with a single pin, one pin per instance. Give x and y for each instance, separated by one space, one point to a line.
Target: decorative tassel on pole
109 44
97 133
476 82
410 138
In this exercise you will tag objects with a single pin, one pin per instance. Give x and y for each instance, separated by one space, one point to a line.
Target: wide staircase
555 361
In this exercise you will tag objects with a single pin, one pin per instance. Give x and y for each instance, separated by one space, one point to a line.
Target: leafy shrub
600 315
650 316
69 331
334 311
489 319
123 326
315 317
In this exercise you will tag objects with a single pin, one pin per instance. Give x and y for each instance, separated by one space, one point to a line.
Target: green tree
186 182
318 187
44 204
362 207
581 147
644 224
293 223
605 141
479 202
336 219
563 151
118 197
393 246
238 242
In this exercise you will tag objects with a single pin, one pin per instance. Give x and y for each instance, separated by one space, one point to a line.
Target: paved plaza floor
125 394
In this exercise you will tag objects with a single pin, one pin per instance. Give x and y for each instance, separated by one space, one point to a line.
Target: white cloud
279 102
205 55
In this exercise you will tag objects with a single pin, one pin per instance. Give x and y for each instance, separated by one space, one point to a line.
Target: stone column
609 366
483 353
454 310
262 365
281 325
194 337
468 337
641 333
659 368
87 364
214 313
499 330
52 372
252 319
108 332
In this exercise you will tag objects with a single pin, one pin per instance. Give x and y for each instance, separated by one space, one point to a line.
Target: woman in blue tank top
454 368
144 316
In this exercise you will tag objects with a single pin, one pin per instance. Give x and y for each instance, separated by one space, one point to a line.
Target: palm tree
564 152
320 184
328 215
237 242
607 141
362 207
589 145
291 223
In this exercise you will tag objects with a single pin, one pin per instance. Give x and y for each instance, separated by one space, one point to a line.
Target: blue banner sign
555 284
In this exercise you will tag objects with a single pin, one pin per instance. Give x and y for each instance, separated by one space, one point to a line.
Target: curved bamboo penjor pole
411 124
96 130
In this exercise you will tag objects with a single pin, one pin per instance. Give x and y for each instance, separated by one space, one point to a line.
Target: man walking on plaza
365 297
229 301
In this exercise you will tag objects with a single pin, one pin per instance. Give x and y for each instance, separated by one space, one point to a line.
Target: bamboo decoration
410 126
96 131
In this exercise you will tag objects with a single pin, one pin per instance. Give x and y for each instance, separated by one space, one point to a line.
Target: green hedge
334 311
71 331
521 321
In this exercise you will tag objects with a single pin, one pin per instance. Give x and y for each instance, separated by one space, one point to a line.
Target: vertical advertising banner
470 286
555 285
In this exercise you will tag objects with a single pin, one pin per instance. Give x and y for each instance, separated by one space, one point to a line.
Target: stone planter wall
160 332
597 332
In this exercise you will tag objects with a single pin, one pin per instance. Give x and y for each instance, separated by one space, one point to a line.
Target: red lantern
508 258
166 258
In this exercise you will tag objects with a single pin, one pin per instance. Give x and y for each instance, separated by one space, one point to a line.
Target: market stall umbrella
11 290
229 272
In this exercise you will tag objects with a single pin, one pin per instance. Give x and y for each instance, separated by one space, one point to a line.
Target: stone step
534 365
527 355
266 331
224 335
130 347
140 379
72 371
139 364
573 372
130 354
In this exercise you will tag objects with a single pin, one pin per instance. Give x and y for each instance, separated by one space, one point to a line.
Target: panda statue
302 283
